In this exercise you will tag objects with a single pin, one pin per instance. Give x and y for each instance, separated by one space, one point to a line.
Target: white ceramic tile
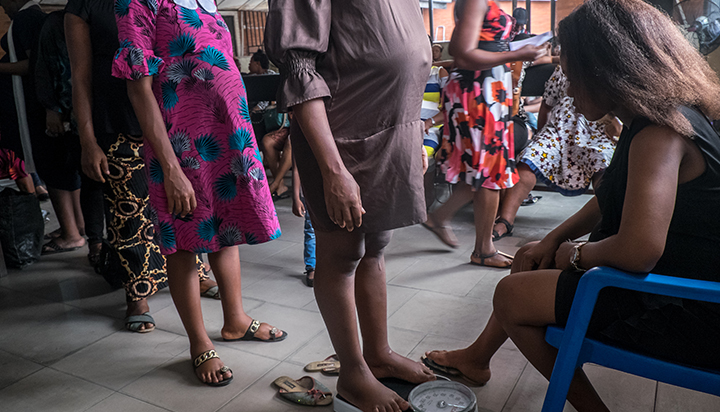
284 287
50 390
123 357
676 399
56 337
441 276
174 385
529 393
123 403
622 391
429 312
14 368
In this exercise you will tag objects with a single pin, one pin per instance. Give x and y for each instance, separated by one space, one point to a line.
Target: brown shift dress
370 61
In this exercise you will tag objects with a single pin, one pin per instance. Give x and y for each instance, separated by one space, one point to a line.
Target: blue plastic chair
575 349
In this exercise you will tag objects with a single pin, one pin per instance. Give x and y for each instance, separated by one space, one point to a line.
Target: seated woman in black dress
656 210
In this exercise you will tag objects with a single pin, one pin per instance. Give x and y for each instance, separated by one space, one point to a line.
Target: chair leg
558 389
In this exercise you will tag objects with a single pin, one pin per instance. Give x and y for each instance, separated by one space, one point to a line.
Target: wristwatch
433 121
575 259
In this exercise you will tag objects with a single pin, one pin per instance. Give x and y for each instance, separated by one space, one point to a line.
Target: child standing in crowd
300 210
208 190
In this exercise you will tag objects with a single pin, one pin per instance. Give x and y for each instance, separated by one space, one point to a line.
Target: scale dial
442 396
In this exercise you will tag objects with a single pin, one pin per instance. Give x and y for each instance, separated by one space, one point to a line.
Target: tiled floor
63 346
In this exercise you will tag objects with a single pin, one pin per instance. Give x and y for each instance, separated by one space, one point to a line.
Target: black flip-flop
206 356
530 200
283 195
448 370
254 327
55 248
508 229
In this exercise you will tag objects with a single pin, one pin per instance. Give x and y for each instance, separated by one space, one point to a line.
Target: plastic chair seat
575 349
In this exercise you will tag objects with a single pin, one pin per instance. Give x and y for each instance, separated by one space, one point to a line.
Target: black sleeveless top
692 249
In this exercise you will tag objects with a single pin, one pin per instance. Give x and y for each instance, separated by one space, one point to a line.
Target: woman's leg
338 254
285 163
63 203
524 305
474 361
226 266
184 289
485 204
461 195
439 220
514 196
371 301
77 209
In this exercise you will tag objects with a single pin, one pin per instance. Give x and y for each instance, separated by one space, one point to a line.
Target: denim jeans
309 247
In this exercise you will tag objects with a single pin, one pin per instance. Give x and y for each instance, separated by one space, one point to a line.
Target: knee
375 244
505 299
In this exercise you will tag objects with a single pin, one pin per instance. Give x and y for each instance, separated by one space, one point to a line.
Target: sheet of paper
534 41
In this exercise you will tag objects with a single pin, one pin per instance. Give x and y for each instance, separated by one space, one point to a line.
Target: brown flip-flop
329 362
448 370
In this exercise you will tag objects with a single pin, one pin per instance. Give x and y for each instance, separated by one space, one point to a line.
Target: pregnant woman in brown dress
353 74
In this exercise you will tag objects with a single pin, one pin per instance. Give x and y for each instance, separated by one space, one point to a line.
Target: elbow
644 259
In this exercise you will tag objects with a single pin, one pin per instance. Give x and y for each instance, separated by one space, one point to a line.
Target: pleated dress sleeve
136 56
297 34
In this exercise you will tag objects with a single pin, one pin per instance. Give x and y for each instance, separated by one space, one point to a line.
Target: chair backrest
575 349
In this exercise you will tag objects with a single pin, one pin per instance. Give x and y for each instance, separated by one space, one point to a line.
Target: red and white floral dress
478 144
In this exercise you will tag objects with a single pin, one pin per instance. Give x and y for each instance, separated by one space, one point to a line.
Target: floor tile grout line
517 381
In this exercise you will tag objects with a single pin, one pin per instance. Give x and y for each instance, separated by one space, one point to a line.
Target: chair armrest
598 278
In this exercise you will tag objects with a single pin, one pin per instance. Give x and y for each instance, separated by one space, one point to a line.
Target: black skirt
678 330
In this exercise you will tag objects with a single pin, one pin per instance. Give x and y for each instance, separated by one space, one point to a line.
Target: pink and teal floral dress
187 47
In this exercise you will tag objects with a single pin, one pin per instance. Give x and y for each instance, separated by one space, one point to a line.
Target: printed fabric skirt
478 145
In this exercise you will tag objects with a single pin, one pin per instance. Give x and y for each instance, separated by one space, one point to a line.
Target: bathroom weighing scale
435 396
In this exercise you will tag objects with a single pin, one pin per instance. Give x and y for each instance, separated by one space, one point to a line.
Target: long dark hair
630 53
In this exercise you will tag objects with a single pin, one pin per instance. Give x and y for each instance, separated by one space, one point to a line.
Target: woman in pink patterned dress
208 190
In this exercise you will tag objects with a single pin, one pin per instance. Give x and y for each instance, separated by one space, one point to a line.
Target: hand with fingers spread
342 198
94 162
180 193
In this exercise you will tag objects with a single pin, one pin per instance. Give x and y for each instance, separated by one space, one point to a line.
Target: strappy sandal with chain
254 327
206 356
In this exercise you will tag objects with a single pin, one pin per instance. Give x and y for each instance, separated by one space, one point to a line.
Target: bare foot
458 359
234 332
392 365
210 370
443 231
365 392
59 243
138 308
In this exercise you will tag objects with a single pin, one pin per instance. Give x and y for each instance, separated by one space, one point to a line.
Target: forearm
312 118
77 34
20 68
151 122
543 115
483 60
